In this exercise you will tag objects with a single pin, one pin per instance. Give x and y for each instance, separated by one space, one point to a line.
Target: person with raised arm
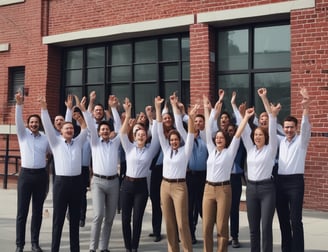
290 179
67 189
33 177
217 192
261 145
105 184
174 194
134 191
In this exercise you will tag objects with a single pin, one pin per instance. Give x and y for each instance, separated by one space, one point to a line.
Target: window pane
169 88
170 72
233 50
272 47
73 77
96 57
100 92
122 73
145 72
16 82
185 49
146 51
278 87
95 75
230 83
74 59
121 91
170 49
185 71
144 96
121 54
74 91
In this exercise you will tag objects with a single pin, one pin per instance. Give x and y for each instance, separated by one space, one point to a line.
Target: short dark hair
290 119
110 125
34 115
201 116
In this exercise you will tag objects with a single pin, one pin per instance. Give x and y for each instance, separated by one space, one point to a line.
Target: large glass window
16 82
138 69
251 57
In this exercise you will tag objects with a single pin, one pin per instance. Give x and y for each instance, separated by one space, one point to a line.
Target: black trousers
155 197
85 184
290 194
236 189
67 193
195 184
134 195
32 184
261 202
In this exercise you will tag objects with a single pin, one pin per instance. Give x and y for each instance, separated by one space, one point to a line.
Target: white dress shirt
33 148
175 162
138 160
292 154
104 153
67 156
260 162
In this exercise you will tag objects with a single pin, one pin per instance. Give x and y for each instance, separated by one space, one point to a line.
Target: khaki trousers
174 201
216 209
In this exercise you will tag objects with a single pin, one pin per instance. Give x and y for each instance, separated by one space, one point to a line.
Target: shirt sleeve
49 128
273 140
305 131
162 139
179 125
68 115
189 144
117 120
91 127
19 122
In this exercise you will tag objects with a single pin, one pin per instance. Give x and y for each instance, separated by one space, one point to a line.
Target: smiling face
58 122
289 129
259 138
264 119
220 140
224 121
174 141
140 137
34 124
104 132
67 131
167 120
199 123
98 113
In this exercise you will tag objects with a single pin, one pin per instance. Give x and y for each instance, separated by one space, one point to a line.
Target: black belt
134 179
105 177
218 183
260 182
177 180
34 170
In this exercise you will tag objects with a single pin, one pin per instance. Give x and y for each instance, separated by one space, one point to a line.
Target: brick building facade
38 37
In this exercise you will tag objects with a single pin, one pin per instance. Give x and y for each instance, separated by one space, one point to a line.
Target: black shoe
235 243
158 238
91 250
104 250
151 235
36 248
82 223
193 240
19 249
230 242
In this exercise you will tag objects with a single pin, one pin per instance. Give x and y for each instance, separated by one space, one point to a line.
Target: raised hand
112 101
69 102
43 102
221 95
262 92
19 98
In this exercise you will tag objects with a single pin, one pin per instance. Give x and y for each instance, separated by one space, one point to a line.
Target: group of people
195 163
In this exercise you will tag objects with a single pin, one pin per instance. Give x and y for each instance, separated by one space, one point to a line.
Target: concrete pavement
315 229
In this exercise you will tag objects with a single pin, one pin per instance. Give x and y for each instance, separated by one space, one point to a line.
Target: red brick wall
309 48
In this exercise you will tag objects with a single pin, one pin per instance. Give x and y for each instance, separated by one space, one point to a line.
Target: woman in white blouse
261 146
134 191
174 195
217 192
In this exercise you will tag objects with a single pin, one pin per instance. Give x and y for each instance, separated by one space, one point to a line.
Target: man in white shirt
33 178
290 179
67 189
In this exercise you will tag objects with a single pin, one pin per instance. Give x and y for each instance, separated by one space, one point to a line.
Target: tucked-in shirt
33 148
219 163
260 161
198 159
138 160
104 153
175 162
292 154
67 156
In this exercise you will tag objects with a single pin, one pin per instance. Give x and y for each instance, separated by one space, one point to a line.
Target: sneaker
235 243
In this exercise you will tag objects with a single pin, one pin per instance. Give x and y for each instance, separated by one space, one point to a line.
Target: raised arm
81 106
69 107
113 104
19 114
248 114
262 92
92 99
178 116
127 108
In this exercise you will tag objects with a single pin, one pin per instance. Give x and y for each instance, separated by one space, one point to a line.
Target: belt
105 177
177 180
218 183
34 170
261 182
135 179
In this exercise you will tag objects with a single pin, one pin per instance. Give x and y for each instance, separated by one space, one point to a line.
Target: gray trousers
104 202
261 202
